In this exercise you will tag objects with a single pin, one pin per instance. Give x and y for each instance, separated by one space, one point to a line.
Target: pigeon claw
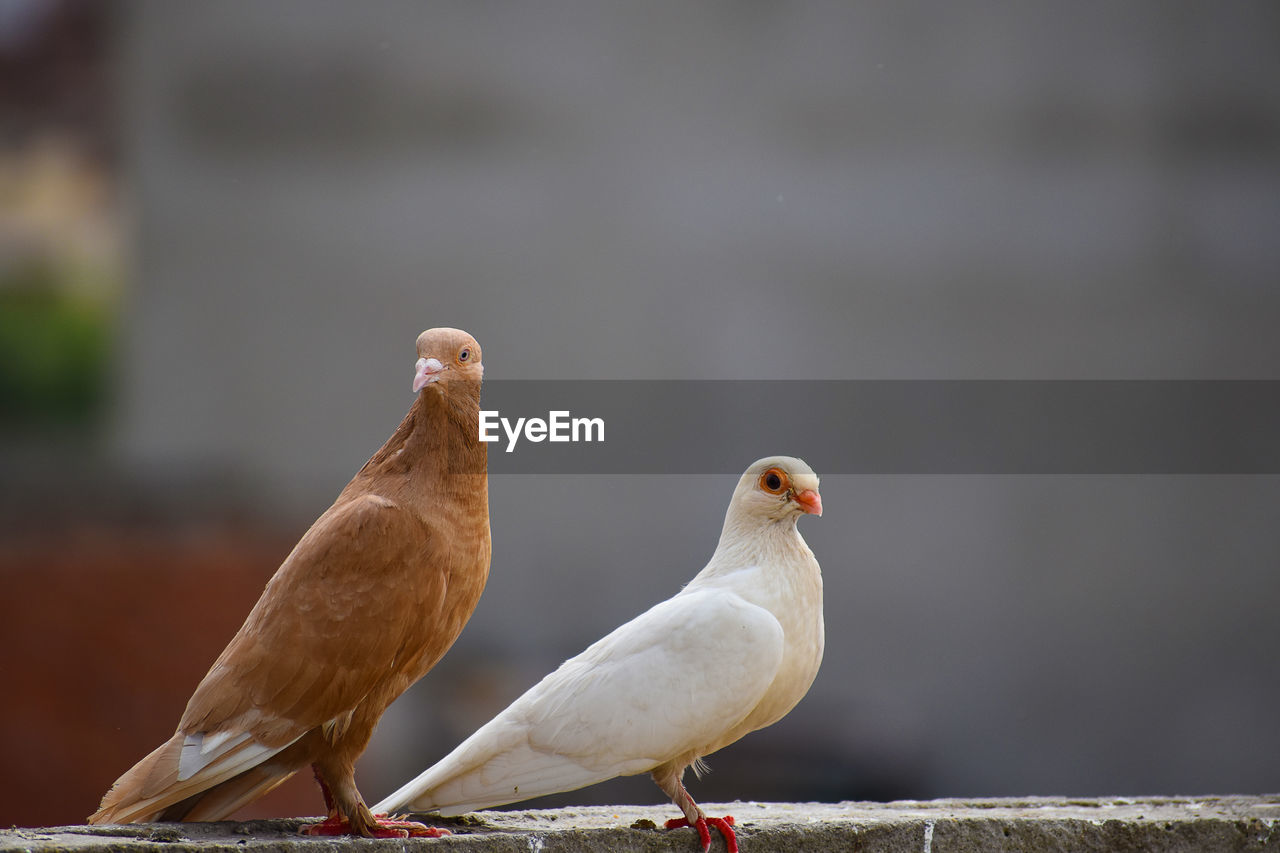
409 829
723 824
412 828
385 828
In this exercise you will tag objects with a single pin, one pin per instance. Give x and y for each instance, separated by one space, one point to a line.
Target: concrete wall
727 190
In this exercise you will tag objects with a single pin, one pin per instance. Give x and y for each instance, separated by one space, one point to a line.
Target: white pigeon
732 652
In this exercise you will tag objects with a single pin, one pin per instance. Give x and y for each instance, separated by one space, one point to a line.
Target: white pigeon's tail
489 770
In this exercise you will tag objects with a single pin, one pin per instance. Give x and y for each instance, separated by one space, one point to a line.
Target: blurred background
223 225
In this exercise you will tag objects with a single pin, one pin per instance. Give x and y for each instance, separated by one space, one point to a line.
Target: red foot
387 828
724 824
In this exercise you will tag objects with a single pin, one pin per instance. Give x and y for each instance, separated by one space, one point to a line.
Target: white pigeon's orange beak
426 371
810 501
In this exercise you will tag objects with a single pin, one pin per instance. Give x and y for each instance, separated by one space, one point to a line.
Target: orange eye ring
774 481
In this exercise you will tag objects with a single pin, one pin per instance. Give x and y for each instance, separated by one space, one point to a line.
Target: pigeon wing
666 684
328 627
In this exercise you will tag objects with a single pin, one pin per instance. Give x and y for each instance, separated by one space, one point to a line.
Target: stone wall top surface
1169 824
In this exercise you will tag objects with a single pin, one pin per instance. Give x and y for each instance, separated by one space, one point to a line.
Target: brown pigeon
731 653
368 601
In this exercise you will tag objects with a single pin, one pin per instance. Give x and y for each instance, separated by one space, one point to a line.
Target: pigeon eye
465 354
773 481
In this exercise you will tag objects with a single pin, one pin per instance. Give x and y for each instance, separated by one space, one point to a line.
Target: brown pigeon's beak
810 501
426 371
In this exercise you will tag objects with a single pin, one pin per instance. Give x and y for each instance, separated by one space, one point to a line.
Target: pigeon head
446 356
778 488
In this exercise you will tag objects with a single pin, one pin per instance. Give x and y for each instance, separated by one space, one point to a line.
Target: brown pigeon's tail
139 795
152 789
221 801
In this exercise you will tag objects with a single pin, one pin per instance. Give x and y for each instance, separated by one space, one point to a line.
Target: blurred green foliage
54 350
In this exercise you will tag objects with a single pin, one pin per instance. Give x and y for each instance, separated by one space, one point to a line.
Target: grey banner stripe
898 427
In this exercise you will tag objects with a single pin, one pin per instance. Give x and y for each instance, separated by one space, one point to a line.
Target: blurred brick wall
118 627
